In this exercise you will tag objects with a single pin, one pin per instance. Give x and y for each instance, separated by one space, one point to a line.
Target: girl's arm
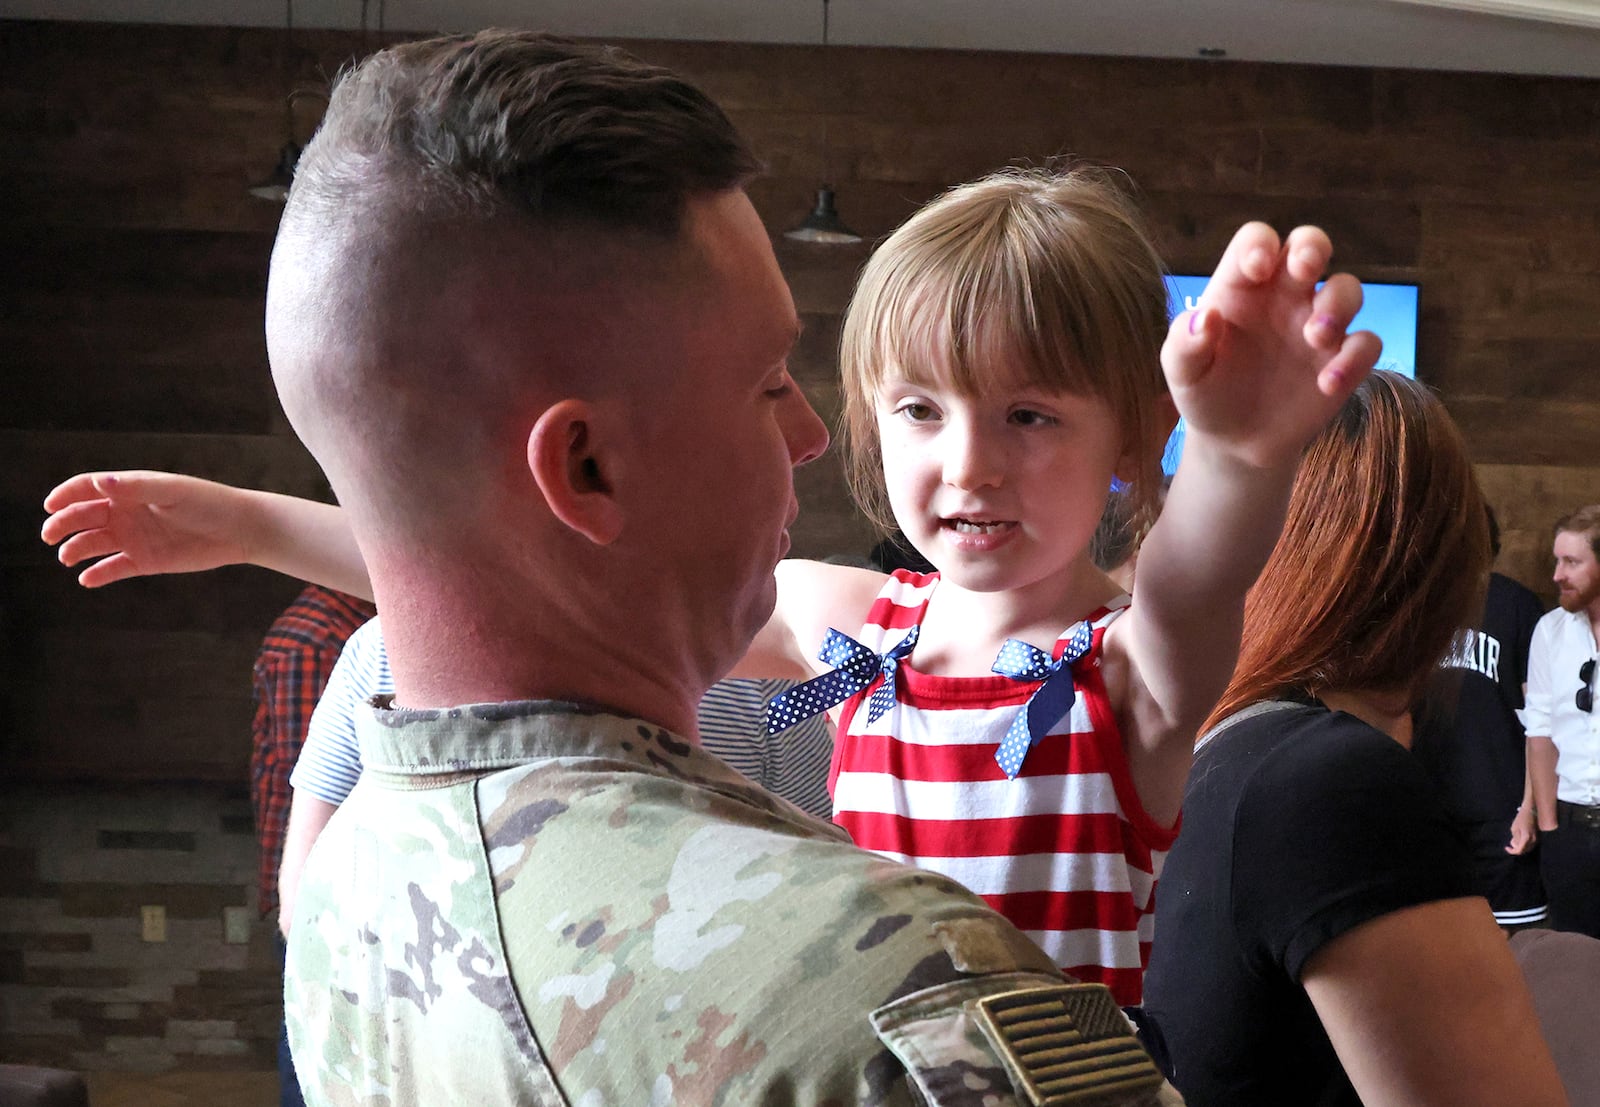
812 597
1426 1005
1256 369
140 523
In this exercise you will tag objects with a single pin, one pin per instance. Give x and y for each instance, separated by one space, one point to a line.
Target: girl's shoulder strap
1098 619
1107 614
901 605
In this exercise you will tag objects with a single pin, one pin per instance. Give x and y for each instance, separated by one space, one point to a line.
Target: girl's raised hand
1264 360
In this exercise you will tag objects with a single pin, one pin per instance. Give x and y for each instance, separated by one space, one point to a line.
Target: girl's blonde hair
1044 276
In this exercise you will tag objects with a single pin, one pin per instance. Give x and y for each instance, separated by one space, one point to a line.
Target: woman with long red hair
1317 940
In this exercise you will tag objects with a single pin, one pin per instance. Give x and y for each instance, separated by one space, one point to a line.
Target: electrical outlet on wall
153 923
236 925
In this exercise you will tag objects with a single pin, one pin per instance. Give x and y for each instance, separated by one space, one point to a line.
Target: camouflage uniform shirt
527 903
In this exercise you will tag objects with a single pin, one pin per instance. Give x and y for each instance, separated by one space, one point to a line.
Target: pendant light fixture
275 186
823 225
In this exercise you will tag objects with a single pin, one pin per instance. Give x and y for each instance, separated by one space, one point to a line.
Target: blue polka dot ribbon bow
855 667
1050 701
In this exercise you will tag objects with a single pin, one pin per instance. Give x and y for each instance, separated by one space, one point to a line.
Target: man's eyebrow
793 338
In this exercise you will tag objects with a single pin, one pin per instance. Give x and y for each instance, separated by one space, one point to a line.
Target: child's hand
140 523
1263 362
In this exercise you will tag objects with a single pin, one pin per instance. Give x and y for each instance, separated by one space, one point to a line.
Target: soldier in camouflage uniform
523 314
615 917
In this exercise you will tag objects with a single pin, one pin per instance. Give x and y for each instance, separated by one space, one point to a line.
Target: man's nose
804 430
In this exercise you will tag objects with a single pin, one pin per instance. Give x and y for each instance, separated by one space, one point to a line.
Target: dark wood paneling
132 269
1529 432
1376 240
1487 106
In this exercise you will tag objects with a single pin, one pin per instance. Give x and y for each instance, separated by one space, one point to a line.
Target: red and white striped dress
1065 851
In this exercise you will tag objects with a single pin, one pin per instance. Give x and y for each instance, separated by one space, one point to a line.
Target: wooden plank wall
134 266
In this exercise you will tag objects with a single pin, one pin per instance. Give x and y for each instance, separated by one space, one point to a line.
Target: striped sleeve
797 759
731 723
792 764
330 762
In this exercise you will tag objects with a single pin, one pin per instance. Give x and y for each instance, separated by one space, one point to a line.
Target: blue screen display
1387 310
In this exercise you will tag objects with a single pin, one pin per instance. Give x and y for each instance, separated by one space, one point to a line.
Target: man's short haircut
454 181
561 131
1584 521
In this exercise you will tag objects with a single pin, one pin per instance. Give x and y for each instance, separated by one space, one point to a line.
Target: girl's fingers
75 518
1307 252
1332 309
80 487
1191 346
86 544
108 571
1350 366
1251 259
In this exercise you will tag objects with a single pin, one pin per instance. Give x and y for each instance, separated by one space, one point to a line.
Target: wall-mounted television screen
1387 310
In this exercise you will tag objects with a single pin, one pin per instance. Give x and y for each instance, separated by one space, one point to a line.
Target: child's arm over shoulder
1257 369
141 523
812 597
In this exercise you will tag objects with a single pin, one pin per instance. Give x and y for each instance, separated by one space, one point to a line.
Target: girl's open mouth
976 526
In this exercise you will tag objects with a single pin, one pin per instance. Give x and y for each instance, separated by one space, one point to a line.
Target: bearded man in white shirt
1563 728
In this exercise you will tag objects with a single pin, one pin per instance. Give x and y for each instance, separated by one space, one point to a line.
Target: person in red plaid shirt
290 672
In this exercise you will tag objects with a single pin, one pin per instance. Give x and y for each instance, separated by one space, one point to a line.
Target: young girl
1010 720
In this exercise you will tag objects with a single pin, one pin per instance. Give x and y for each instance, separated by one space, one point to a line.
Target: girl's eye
1027 417
914 412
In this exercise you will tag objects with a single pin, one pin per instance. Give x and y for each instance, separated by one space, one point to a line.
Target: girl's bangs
978 329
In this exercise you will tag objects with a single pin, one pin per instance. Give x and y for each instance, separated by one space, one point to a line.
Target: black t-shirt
1475 751
1298 825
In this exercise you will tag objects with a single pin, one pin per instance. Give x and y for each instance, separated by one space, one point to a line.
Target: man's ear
569 460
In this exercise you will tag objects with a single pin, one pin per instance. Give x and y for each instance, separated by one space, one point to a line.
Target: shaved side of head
464 243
